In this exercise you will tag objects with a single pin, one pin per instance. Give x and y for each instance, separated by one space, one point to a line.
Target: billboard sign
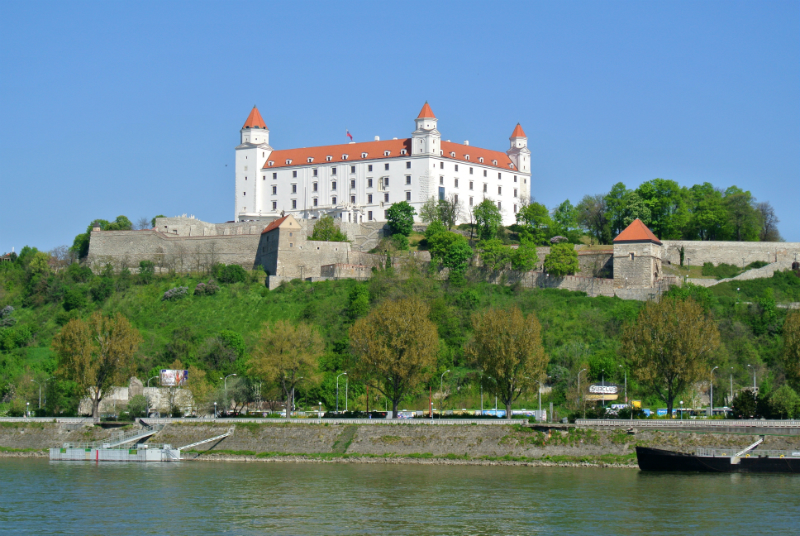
603 389
173 378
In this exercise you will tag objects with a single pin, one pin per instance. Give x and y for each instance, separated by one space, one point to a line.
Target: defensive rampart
735 253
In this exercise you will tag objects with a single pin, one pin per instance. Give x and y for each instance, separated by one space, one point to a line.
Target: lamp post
603 383
711 399
481 382
681 409
579 391
731 398
441 390
40 392
540 395
754 379
346 382
28 410
337 390
215 410
147 398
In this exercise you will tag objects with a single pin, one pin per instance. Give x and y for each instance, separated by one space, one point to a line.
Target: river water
42 497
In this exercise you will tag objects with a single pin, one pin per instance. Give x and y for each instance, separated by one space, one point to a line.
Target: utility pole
579 392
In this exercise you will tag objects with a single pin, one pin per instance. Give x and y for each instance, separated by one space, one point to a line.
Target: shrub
175 293
5 317
325 230
229 273
147 270
401 218
206 289
74 299
65 316
400 242
102 288
562 260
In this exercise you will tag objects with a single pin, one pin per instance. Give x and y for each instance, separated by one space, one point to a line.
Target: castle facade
358 182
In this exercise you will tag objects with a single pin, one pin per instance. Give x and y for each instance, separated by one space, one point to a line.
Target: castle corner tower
251 155
426 139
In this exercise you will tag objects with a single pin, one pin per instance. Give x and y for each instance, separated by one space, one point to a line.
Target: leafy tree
791 346
784 402
233 340
121 223
450 211
562 260
494 255
669 346
229 273
508 347
452 251
325 230
768 222
137 407
615 208
400 242
429 211
358 301
198 385
666 201
401 218
525 257
39 263
565 222
593 217
395 348
743 218
147 270
434 228
487 219
287 353
74 299
536 223
96 353
709 216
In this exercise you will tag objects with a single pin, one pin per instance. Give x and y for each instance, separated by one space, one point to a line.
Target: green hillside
216 333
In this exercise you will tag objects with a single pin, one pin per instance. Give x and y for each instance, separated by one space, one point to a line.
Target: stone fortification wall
190 226
180 253
697 253
636 264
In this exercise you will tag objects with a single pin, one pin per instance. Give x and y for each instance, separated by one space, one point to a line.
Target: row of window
315 171
334 199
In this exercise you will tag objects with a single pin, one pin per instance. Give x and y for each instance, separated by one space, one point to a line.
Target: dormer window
328 158
363 155
288 161
344 157
480 160
310 160
271 163
386 153
466 156
403 151
494 162
511 166
452 154
441 153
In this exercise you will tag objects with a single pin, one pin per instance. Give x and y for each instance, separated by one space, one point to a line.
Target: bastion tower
251 154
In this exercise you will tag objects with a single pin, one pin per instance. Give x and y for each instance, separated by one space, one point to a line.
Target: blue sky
135 108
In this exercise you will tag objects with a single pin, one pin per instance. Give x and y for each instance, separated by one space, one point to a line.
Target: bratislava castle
358 182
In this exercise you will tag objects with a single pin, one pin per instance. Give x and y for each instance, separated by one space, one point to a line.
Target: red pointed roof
254 120
274 224
426 112
637 232
518 132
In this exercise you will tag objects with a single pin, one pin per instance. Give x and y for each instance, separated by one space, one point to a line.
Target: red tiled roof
254 120
426 112
375 151
637 232
518 132
274 225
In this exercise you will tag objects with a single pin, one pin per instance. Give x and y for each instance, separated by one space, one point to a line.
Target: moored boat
706 460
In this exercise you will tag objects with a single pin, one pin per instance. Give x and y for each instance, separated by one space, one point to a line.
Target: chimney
377 138
466 142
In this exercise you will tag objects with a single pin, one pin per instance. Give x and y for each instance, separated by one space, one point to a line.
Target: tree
768 221
452 251
287 353
153 221
536 222
784 402
508 347
450 211
325 230
142 224
791 346
494 255
565 221
709 217
358 301
487 219
201 390
666 201
562 260
669 346
401 218
525 257
743 218
592 216
394 348
96 353
429 211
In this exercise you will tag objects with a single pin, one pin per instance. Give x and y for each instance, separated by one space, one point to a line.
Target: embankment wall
735 253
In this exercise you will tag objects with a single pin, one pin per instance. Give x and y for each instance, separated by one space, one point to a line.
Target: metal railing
166 420
67 420
759 453
698 423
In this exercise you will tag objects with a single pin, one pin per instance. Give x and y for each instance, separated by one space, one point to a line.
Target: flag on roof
349 135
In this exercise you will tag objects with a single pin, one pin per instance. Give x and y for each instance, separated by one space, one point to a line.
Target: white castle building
358 182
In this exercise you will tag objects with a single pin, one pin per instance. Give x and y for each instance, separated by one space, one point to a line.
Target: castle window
524 181
515 178
353 184
441 165
310 159
274 190
408 196
471 184
353 199
274 205
499 190
294 203
484 172
333 200
244 193
455 198
294 174
386 214
274 176
470 171
316 201
456 167
294 188
314 172
245 178
344 157
333 171
499 207
452 154
363 155
314 186
352 169
264 178
328 158
480 159
408 165
369 167
369 183
369 215
385 153
515 192
455 183
386 197
408 179
441 180
403 151
466 157
515 209
631 255
333 185
485 188
386 167
470 201
271 163
288 161
369 199
499 176
494 162
386 182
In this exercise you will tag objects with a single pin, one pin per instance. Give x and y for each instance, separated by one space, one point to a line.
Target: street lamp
147 398
28 409
540 395
754 379
337 390
40 392
731 398
579 392
711 399
215 410
626 388
225 380
441 391
681 409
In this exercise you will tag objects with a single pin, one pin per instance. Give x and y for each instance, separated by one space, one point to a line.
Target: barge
704 460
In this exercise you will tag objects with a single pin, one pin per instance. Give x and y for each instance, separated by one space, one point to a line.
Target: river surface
42 497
